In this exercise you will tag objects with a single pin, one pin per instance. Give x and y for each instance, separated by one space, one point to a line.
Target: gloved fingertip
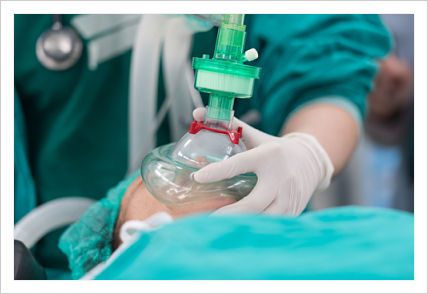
199 113
198 177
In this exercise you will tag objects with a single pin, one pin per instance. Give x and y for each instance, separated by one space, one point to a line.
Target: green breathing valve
225 76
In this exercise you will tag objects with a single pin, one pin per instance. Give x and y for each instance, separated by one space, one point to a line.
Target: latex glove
289 169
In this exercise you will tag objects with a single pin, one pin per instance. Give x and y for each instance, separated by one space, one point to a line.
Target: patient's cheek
199 207
139 204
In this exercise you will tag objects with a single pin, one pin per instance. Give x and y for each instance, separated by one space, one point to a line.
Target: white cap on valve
251 54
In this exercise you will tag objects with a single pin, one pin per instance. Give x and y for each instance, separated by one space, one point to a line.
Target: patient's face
139 204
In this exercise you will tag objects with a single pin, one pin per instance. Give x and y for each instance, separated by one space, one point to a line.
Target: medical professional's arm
290 169
317 140
335 129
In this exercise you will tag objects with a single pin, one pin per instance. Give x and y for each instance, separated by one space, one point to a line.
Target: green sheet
339 243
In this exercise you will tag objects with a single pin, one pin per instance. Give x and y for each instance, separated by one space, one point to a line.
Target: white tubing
48 217
173 33
176 52
176 68
143 88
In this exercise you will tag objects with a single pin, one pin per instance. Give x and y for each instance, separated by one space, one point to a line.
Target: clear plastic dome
198 150
167 170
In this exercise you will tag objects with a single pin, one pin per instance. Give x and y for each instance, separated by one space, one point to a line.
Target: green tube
230 38
220 107
225 76
229 46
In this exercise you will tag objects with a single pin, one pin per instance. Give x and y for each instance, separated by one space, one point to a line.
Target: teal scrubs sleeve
306 57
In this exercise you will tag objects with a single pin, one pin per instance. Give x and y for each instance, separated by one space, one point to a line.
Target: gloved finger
284 198
238 164
291 204
251 136
199 113
281 205
275 208
257 201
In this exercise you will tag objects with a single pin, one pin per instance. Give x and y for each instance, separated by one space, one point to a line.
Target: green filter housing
225 77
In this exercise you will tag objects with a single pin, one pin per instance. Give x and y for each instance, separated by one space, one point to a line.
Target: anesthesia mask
167 170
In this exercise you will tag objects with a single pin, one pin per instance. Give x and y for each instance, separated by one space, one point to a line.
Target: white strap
143 88
132 228
129 233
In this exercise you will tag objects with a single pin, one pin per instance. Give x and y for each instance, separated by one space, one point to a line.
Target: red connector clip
234 135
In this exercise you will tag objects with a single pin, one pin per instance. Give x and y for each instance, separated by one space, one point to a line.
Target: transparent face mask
167 170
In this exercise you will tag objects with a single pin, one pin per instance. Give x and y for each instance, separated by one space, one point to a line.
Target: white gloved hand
289 170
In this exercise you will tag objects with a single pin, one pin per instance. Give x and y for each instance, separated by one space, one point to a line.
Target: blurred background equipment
381 170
